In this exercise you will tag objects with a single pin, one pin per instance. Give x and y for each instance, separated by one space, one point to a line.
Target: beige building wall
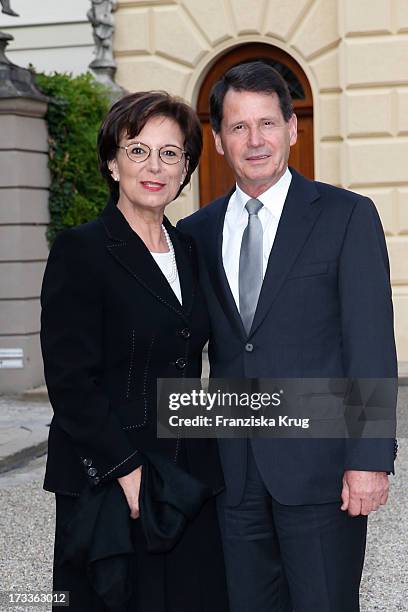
355 55
374 124
51 34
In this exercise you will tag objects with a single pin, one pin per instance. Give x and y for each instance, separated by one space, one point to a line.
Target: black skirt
189 578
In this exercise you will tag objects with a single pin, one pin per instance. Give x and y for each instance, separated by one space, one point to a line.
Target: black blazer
324 310
110 326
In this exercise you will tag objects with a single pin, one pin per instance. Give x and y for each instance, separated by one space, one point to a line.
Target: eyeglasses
139 152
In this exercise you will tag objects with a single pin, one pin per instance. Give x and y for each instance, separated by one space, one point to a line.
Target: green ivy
76 109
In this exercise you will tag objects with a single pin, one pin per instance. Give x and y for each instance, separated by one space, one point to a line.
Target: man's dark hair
129 115
258 77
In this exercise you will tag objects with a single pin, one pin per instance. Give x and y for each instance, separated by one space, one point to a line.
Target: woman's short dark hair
129 115
256 76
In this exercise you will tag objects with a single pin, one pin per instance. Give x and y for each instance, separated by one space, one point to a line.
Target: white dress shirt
236 220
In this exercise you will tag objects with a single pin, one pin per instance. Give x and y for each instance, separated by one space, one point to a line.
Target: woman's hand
131 488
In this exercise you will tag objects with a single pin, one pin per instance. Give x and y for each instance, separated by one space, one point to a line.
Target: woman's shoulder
84 235
79 250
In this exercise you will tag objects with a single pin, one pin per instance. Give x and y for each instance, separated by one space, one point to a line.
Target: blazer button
185 333
92 472
87 462
181 363
249 347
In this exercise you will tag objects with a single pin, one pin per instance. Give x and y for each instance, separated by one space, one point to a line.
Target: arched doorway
215 177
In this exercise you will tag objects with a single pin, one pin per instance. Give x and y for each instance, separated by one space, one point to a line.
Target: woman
121 307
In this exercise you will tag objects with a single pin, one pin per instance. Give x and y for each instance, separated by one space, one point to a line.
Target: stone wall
24 182
374 80
52 35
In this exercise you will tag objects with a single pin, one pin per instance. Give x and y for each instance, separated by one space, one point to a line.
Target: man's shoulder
337 199
337 193
208 211
344 202
338 202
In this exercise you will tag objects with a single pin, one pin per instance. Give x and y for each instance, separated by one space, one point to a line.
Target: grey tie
250 264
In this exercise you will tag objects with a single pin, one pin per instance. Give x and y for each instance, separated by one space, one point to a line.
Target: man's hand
364 492
131 487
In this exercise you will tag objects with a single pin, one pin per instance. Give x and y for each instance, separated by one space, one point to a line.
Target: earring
115 178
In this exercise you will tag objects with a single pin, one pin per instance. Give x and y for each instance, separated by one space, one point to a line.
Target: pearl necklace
173 272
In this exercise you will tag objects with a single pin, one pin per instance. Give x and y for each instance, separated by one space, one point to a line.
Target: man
297 281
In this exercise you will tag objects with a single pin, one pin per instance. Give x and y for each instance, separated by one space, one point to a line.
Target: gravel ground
26 532
385 579
27 525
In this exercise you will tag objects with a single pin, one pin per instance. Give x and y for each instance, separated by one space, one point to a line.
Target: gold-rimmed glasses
139 152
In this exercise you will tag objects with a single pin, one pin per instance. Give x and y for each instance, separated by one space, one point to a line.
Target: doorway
215 176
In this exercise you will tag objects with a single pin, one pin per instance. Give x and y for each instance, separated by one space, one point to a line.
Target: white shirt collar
273 198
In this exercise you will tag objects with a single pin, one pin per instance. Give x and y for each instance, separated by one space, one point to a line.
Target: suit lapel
186 266
132 254
212 240
300 213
